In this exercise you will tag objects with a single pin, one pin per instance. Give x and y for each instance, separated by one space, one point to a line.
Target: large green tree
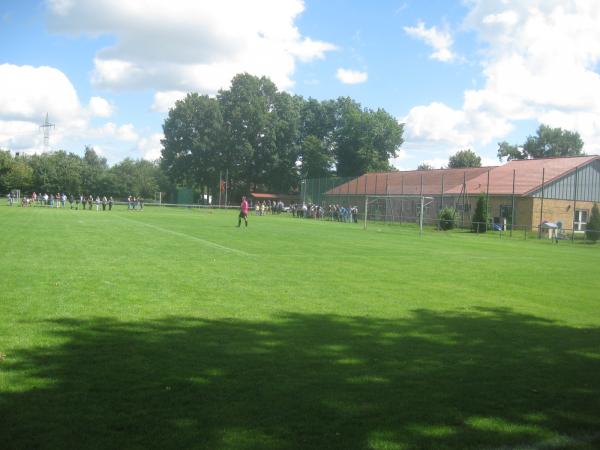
193 147
316 161
547 142
318 123
284 174
266 140
464 159
249 129
365 140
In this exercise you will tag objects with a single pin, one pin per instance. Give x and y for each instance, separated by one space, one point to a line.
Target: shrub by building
479 222
447 217
592 228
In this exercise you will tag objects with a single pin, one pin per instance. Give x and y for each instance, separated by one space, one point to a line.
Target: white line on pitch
177 233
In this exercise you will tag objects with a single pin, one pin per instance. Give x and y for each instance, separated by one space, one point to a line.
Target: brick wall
557 211
527 210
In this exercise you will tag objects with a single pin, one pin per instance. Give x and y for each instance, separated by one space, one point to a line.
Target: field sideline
173 328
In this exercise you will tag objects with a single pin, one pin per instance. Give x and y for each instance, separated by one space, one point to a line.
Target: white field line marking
177 233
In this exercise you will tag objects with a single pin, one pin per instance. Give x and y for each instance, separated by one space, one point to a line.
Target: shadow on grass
483 379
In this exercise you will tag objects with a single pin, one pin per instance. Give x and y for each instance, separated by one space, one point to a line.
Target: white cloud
348 76
111 131
164 101
27 93
127 133
540 64
100 107
150 146
487 162
441 41
436 163
189 46
20 135
398 160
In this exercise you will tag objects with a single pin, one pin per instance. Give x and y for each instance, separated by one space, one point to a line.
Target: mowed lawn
172 328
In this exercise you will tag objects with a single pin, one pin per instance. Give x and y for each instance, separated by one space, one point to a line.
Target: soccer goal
15 196
397 209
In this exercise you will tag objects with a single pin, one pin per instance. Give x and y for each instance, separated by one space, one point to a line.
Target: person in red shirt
243 212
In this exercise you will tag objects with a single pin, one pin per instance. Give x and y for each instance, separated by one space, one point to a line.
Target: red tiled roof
528 177
407 183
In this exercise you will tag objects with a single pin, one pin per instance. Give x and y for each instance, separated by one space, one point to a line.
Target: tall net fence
317 191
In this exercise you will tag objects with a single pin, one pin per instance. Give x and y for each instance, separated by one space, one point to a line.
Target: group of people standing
59 200
336 212
134 203
268 206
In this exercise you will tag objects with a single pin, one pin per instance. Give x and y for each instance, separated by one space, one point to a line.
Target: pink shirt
244 206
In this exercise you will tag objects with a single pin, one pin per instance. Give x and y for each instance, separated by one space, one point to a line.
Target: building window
580 219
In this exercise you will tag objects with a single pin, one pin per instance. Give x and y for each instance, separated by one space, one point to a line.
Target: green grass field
172 328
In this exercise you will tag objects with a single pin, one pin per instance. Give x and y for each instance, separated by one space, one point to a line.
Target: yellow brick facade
527 210
558 211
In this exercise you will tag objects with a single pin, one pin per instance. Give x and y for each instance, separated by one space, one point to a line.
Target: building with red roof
524 192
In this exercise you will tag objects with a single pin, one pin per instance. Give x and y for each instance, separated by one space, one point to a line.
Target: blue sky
460 74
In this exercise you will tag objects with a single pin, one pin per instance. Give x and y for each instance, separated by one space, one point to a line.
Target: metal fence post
574 206
512 219
487 201
542 204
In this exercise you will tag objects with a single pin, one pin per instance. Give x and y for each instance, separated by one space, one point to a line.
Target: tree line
60 171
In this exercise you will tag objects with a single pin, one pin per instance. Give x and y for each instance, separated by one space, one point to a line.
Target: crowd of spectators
269 207
134 203
81 201
336 212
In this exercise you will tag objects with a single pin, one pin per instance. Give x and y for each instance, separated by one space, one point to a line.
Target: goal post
396 209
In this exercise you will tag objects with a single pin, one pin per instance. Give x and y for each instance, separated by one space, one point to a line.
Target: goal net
391 209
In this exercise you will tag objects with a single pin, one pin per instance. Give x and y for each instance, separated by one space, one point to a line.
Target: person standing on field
243 212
